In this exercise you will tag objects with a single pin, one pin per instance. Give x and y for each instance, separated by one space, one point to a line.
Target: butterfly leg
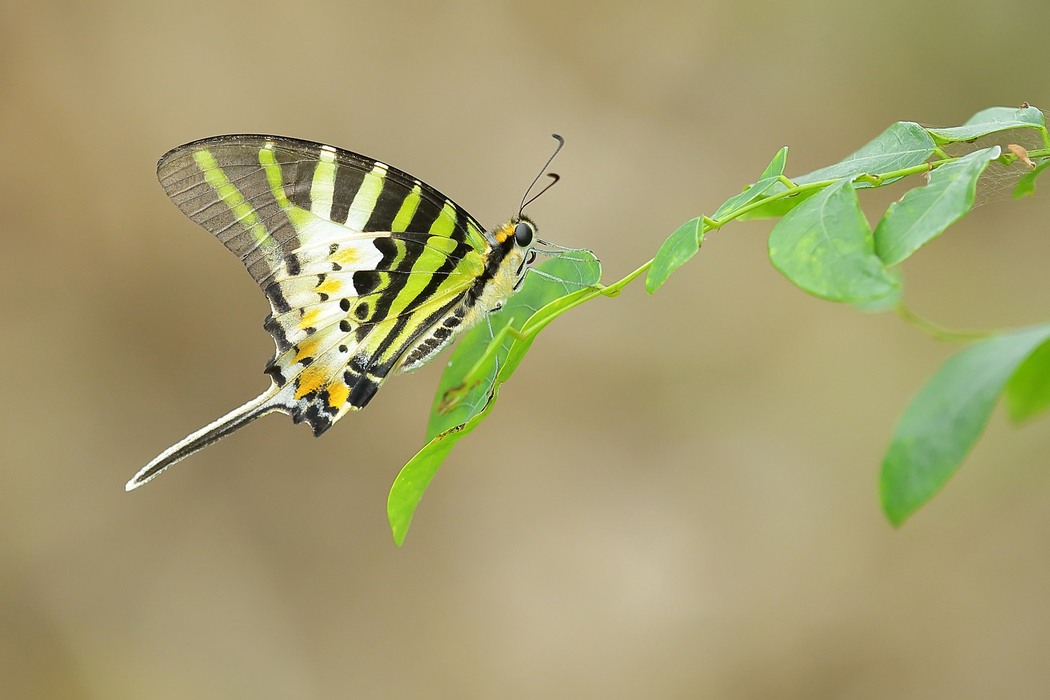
547 275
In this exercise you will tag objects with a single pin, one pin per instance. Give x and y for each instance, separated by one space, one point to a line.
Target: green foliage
470 384
899 148
925 212
1028 391
824 245
993 120
770 177
414 478
1026 185
902 146
675 252
945 419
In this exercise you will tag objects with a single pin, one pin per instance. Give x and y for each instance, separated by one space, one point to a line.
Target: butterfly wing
361 262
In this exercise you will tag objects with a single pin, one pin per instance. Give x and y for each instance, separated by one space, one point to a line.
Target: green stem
937 331
791 189
614 289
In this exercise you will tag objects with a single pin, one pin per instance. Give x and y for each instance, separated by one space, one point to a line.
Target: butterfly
369 271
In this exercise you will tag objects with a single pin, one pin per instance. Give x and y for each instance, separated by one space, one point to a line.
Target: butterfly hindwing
362 264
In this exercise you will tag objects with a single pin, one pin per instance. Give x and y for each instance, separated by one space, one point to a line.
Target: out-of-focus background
676 495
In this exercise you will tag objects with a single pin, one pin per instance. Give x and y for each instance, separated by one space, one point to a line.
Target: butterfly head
524 232
516 239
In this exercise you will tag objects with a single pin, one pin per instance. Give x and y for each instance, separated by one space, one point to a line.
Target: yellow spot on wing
307 348
345 256
310 318
330 286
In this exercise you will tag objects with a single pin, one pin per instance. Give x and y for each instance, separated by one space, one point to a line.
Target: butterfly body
369 271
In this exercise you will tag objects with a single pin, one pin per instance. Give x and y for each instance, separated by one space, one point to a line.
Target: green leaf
1026 185
990 121
825 247
1028 391
992 115
769 177
924 212
580 268
536 323
412 482
888 302
675 252
468 389
947 416
903 145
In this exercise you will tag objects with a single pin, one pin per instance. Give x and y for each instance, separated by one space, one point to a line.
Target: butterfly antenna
524 203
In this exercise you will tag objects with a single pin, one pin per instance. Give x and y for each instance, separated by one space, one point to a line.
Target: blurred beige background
676 496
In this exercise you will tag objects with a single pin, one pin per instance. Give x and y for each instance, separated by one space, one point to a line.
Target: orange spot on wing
307 348
312 379
338 392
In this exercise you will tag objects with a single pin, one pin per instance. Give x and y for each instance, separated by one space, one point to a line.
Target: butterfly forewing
365 267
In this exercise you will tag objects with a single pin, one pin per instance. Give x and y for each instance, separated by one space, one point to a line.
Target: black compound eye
523 234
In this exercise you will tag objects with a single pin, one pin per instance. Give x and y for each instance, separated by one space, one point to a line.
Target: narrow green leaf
769 177
1028 391
1026 185
925 212
412 482
990 121
947 416
825 247
902 145
675 252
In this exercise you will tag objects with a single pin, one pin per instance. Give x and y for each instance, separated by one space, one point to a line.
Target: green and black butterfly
369 272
